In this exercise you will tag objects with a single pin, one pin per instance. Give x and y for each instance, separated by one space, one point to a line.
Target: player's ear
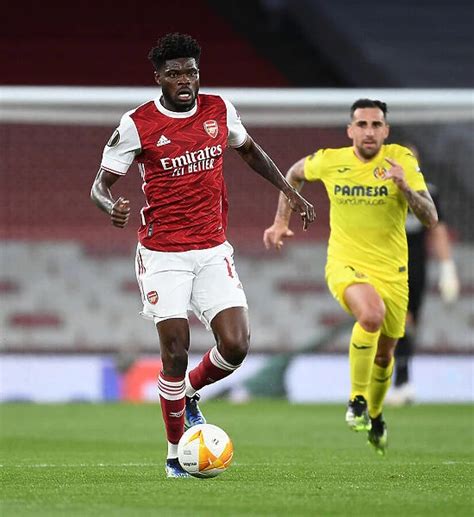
387 130
350 133
157 78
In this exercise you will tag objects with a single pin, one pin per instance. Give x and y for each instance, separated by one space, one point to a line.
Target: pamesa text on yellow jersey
368 211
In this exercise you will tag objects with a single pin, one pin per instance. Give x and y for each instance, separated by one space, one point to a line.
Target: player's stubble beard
368 154
176 103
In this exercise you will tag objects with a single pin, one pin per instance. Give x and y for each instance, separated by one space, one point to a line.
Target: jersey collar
175 114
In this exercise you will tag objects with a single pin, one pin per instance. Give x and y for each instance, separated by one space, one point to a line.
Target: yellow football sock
362 352
379 384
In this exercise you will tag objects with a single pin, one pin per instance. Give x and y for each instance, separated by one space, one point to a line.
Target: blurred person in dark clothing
422 243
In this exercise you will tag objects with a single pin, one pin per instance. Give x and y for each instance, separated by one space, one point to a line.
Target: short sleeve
237 132
414 176
122 147
313 166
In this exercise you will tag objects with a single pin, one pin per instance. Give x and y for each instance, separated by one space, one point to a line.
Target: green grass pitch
290 460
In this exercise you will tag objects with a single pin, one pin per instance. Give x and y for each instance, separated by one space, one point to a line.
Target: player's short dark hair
369 103
173 46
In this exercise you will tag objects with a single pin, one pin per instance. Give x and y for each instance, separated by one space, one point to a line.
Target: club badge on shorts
152 297
211 128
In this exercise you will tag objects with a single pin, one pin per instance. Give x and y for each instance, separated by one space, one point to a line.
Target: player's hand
396 174
120 212
448 283
273 236
299 204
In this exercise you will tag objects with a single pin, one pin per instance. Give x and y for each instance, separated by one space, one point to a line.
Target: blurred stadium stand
378 44
66 276
47 196
397 44
108 43
54 296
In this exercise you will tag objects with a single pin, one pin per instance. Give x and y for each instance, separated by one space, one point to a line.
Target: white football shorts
173 283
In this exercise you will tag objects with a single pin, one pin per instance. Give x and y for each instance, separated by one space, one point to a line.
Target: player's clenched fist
273 236
120 212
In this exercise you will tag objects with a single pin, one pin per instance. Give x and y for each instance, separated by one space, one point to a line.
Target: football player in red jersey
183 258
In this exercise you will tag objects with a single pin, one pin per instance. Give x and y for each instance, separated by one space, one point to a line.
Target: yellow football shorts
394 293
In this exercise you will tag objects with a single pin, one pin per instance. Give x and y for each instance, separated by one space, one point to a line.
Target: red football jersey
180 157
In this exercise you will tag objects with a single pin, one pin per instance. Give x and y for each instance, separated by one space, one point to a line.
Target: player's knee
234 347
174 357
371 319
371 322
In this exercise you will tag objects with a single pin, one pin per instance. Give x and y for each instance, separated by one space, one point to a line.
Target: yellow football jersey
368 212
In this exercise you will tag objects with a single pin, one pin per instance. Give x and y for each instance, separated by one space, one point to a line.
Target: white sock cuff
171 390
190 391
217 360
172 450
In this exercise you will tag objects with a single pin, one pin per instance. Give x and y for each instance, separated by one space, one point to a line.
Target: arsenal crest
380 172
211 128
152 297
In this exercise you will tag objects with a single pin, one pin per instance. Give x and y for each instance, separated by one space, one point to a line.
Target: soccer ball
205 450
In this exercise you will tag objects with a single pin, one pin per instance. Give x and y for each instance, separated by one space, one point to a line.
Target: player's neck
362 158
172 107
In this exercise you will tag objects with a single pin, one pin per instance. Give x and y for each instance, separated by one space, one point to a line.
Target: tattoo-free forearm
100 191
283 213
440 242
261 163
422 206
102 197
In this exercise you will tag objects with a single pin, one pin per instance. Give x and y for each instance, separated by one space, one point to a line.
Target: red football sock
172 400
212 368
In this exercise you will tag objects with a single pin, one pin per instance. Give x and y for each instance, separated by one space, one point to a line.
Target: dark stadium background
47 169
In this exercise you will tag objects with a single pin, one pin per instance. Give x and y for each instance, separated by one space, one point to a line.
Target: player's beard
171 100
368 153
187 104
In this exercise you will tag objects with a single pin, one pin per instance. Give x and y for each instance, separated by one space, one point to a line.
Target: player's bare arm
119 210
420 201
273 236
261 163
422 206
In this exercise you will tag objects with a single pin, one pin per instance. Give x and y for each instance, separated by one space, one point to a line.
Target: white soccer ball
205 451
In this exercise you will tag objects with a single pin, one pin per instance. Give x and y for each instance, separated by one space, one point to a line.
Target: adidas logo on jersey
163 141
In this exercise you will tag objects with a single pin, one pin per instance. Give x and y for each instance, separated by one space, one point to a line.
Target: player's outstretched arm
261 163
420 202
119 210
274 236
448 282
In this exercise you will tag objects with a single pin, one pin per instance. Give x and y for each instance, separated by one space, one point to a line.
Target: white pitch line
78 465
115 465
457 462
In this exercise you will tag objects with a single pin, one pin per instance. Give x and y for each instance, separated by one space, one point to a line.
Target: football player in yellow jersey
370 187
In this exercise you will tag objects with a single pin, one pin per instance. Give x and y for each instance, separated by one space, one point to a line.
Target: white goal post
284 107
